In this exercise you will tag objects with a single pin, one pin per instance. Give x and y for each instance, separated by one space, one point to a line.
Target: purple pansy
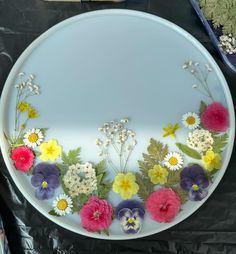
45 179
131 214
195 181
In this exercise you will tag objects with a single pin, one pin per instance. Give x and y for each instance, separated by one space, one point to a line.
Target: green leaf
79 202
72 157
220 141
52 212
37 153
105 232
100 167
146 187
104 189
99 179
63 167
63 185
156 154
189 151
30 172
43 130
173 178
182 194
202 108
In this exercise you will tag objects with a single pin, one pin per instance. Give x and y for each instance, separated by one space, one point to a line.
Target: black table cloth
211 229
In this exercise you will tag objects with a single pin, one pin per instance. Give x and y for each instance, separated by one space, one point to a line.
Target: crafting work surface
211 228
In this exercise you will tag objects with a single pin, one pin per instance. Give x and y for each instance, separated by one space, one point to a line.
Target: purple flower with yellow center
131 214
45 179
195 181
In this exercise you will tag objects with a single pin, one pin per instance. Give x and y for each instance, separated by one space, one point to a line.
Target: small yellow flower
23 126
23 106
125 185
50 150
212 160
170 130
32 113
158 174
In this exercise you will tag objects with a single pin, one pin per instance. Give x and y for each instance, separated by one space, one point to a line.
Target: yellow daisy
50 150
125 185
212 160
158 174
170 130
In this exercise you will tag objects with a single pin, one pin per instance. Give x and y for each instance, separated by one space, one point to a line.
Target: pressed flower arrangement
163 181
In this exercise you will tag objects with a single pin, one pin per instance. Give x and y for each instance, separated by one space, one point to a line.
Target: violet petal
124 212
202 181
192 171
197 195
186 183
53 181
44 193
37 179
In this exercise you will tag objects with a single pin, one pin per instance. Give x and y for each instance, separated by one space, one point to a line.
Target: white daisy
33 138
173 161
62 205
191 120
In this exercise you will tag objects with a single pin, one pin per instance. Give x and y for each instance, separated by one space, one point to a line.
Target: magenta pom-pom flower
23 158
96 214
163 205
215 117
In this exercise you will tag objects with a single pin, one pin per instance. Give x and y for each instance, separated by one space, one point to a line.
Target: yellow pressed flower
23 106
50 150
212 160
23 126
158 174
170 130
32 113
125 185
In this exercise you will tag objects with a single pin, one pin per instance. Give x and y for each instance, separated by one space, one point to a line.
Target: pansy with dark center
195 181
45 179
131 214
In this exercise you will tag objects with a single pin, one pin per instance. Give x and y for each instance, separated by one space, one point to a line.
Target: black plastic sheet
211 229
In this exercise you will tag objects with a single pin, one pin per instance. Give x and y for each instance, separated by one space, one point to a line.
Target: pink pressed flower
215 117
163 205
23 158
96 214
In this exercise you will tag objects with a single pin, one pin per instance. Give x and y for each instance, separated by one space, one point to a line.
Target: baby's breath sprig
25 89
201 75
118 139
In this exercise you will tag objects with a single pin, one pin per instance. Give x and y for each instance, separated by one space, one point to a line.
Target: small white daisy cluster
62 205
119 138
28 88
201 74
80 179
200 140
33 138
228 44
173 161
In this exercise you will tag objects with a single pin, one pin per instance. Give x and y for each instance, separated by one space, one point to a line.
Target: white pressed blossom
62 205
80 179
228 44
33 138
191 120
119 139
200 140
173 161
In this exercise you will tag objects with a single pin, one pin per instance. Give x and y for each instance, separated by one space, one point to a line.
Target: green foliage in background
222 13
